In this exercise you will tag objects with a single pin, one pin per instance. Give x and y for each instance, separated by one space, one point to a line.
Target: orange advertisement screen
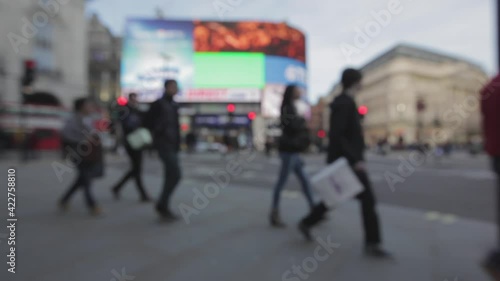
256 37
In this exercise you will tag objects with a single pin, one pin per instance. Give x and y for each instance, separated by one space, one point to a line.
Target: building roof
412 51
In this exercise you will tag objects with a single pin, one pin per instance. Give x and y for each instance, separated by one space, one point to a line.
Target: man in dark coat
162 120
346 140
490 104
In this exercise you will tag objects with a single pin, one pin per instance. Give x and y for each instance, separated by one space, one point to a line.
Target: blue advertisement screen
156 50
284 71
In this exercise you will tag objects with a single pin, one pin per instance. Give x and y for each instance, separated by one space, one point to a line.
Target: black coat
162 119
132 120
346 134
295 134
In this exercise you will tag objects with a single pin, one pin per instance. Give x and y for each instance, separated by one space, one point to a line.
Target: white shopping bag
337 183
139 138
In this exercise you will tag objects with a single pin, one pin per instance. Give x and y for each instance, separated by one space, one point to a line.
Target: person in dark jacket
86 150
132 121
162 120
292 142
346 140
490 104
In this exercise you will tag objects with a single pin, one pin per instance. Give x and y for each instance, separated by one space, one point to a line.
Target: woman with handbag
85 150
294 140
132 121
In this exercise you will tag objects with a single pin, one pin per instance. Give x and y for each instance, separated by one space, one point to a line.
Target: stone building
52 34
104 52
415 95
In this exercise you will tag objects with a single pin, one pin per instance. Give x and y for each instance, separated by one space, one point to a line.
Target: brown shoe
96 212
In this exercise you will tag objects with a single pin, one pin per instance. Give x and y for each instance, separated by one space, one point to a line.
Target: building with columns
415 95
52 34
104 52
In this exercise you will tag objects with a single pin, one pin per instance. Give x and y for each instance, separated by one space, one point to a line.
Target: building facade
50 33
415 95
315 122
104 53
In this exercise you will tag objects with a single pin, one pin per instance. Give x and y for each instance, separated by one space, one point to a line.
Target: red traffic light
321 134
185 127
29 64
252 115
231 108
122 101
29 74
363 110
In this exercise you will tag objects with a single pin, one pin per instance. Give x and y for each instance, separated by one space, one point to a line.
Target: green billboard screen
229 70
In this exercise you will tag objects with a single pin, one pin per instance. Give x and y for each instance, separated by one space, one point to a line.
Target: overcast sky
464 28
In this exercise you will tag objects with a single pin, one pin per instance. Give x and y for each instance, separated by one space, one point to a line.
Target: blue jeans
292 162
172 174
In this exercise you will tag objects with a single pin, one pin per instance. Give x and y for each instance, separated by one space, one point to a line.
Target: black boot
306 231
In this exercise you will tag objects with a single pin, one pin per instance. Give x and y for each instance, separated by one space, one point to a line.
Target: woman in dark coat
295 139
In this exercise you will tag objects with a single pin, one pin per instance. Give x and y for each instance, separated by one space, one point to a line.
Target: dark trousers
134 172
172 174
82 181
496 169
369 213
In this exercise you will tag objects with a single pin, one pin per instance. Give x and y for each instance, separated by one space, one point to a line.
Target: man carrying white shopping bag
337 183
346 141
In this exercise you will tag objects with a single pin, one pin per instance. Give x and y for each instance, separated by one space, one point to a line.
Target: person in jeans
163 121
346 140
131 122
86 152
490 105
291 143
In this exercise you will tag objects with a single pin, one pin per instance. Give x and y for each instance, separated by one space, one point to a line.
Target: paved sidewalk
228 240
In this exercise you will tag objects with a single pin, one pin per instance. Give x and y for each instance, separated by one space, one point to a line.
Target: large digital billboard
214 62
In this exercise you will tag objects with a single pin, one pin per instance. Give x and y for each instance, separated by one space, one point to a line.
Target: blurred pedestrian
228 142
295 139
346 140
163 121
86 151
490 103
269 146
191 142
131 121
29 144
448 149
242 139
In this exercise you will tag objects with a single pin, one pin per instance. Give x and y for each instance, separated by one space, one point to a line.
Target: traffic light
122 101
231 108
252 115
321 134
29 73
185 127
363 110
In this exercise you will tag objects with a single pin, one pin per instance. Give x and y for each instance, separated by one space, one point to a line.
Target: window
43 51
